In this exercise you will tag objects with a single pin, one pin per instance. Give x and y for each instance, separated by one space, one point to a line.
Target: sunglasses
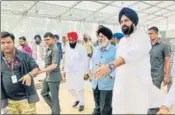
47 39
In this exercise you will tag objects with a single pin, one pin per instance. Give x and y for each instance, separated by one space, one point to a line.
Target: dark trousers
51 99
103 102
157 83
170 83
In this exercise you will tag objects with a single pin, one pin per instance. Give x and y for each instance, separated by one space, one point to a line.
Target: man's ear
134 26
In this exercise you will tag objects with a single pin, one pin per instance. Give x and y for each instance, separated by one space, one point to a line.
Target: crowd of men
126 70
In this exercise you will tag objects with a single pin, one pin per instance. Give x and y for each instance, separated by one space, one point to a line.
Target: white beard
103 44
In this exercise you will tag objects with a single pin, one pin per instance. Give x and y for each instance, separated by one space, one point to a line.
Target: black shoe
81 108
96 112
75 104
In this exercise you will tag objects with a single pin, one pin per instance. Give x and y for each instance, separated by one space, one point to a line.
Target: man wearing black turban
103 88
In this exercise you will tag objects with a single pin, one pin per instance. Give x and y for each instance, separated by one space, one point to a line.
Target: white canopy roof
161 13
90 11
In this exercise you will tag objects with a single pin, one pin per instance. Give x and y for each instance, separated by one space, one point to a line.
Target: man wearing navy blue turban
134 92
130 15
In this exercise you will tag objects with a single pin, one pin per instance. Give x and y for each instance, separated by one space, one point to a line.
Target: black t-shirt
14 91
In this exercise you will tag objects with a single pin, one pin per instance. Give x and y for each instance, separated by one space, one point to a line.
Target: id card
14 79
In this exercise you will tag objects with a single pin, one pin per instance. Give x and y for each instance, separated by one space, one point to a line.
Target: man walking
17 72
160 58
133 90
50 91
103 88
76 66
169 102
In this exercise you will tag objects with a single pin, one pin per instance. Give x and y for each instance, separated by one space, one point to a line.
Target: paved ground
66 101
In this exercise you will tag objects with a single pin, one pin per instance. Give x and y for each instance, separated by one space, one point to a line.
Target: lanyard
12 63
10 67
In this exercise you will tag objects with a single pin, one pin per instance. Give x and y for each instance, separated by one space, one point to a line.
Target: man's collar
107 48
16 51
26 45
157 42
50 47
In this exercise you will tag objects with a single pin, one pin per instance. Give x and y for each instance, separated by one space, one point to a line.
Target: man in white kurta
76 66
133 88
169 102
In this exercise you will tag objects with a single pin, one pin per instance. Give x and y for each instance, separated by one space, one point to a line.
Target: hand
86 77
91 73
40 72
62 69
163 110
26 79
64 75
166 80
90 55
103 71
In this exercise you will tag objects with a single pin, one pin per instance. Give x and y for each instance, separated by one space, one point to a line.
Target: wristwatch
112 67
31 75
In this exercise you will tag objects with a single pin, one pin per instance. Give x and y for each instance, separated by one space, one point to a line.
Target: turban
118 36
131 14
37 36
73 36
56 36
106 32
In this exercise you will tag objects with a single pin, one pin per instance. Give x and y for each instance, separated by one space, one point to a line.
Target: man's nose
5 44
123 23
100 39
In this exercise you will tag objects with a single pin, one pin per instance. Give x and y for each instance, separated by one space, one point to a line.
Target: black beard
72 45
128 30
85 39
37 42
22 45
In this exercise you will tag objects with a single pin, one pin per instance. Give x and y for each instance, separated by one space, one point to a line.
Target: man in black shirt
17 72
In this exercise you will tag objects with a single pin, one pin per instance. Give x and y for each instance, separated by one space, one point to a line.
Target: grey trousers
50 93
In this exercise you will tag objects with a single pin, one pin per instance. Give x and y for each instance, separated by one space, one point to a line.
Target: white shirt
173 67
38 53
133 88
170 98
76 66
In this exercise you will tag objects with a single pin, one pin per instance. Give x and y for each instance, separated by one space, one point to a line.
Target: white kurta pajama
76 66
133 84
170 99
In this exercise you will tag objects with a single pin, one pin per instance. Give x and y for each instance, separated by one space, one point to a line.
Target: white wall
30 26
167 25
